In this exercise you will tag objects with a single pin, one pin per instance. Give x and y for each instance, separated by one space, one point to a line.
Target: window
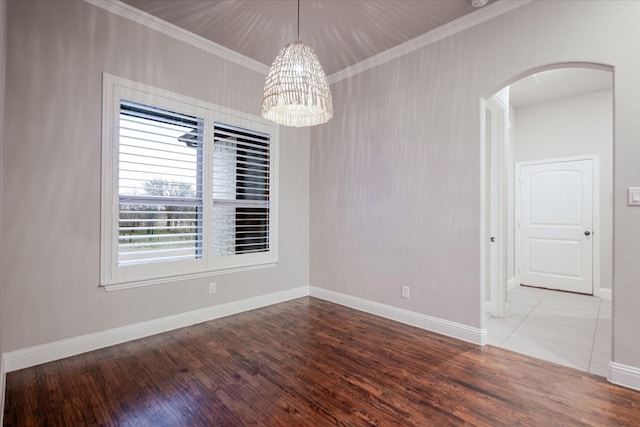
240 191
159 185
188 188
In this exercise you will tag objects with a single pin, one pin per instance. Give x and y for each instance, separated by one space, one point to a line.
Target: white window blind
241 196
160 185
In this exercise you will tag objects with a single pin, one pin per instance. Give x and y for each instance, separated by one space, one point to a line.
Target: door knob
587 233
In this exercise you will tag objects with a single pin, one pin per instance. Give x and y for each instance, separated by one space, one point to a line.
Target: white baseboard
605 293
624 375
44 353
3 385
32 356
423 321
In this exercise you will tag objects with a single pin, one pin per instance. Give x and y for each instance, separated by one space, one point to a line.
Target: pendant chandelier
296 90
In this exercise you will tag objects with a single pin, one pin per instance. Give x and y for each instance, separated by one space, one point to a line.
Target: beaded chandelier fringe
296 90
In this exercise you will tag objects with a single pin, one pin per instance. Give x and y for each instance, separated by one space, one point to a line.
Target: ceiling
342 32
345 32
557 84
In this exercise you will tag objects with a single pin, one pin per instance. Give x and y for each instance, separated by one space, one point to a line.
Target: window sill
135 283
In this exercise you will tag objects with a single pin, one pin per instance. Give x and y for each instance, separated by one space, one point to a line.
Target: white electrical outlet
405 292
634 196
212 287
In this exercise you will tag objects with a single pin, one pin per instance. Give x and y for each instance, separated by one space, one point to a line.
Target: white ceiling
557 84
342 32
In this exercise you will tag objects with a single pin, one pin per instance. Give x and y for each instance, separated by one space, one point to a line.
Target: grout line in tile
593 342
523 319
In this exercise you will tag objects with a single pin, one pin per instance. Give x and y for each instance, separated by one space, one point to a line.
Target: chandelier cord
298 36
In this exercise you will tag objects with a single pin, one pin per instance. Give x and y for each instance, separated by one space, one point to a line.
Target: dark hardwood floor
310 362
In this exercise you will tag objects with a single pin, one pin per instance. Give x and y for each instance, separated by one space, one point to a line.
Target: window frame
114 276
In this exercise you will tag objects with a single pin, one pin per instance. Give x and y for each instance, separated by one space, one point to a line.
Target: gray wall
394 177
56 54
3 26
571 127
395 188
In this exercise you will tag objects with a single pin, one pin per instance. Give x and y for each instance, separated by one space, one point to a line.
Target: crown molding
467 21
497 8
126 11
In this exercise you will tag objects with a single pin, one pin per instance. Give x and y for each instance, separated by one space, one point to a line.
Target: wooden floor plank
310 362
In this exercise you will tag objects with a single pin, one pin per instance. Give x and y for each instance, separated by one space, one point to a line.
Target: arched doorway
556 114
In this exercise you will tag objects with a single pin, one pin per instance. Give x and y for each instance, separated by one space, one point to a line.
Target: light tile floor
569 329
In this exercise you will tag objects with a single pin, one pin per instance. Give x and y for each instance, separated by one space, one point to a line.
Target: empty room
319 212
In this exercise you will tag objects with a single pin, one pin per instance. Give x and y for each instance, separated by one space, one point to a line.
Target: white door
556 225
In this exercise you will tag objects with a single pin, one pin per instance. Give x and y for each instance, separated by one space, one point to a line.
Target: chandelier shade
296 90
